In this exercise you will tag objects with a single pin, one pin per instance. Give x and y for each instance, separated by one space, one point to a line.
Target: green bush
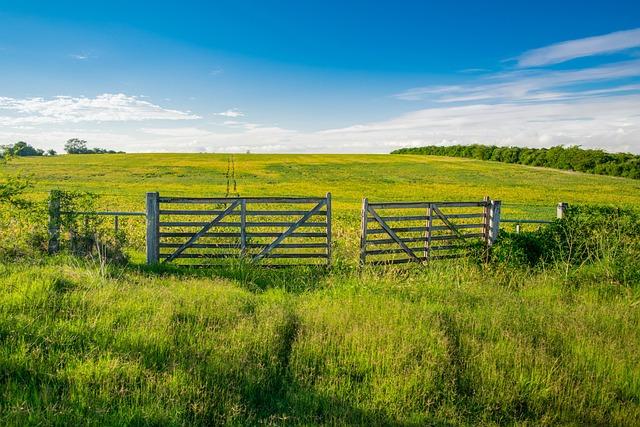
588 235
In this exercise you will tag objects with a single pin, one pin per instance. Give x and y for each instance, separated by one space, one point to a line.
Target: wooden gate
401 232
206 231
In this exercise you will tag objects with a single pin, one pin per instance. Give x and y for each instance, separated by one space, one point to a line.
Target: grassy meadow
457 343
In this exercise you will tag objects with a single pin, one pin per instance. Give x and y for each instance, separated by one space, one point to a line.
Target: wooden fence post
494 221
363 232
153 228
561 210
54 222
487 219
329 241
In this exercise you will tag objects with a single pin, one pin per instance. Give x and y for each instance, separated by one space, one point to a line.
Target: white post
494 221
561 210
153 228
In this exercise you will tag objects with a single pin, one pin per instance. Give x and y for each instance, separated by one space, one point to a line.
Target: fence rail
258 229
262 229
410 236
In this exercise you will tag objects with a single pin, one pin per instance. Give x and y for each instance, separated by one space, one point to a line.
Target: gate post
54 222
561 210
329 242
494 221
486 218
363 232
153 228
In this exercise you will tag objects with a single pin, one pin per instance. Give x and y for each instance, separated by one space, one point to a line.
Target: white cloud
66 109
565 51
612 123
233 112
523 85
79 56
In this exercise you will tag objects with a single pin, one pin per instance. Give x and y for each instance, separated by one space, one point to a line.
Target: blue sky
321 76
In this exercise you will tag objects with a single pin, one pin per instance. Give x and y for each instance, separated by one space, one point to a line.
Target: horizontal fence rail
404 232
272 231
284 231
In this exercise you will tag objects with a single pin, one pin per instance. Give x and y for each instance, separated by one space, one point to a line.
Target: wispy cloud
524 85
80 56
612 123
233 112
66 109
216 71
572 49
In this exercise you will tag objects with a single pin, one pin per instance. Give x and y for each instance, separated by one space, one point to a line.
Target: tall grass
455 344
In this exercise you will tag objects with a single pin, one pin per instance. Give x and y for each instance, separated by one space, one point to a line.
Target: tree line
72 146
559 157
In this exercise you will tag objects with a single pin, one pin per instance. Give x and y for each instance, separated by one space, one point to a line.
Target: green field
457 343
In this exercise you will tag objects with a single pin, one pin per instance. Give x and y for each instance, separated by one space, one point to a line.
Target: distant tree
76 146
559 157
79 146
21 149
51 152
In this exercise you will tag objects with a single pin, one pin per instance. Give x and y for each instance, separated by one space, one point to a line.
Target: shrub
595 235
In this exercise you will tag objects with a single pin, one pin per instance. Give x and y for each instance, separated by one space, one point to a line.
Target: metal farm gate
275 231
401 232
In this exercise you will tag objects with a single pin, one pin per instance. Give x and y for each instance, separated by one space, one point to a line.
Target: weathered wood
240 224
449 224
425 217
248 212
422 228
316 265
364 225
486 213
199 255
223 200
243 227
283 213
396 230
296 234
204 229
289 231
494 224
429 232
391 233
561 210
421 239
391 251
202 245
249 245
153 229
401 205
328 225
393 261
184 234
293 256
54 222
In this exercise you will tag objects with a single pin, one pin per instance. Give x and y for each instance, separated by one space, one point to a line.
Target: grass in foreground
454 344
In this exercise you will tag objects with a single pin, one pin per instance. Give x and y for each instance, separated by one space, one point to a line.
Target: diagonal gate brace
447 222
391 233
288 232
200 233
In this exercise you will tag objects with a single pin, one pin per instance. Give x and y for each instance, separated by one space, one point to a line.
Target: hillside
124 179
85 341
